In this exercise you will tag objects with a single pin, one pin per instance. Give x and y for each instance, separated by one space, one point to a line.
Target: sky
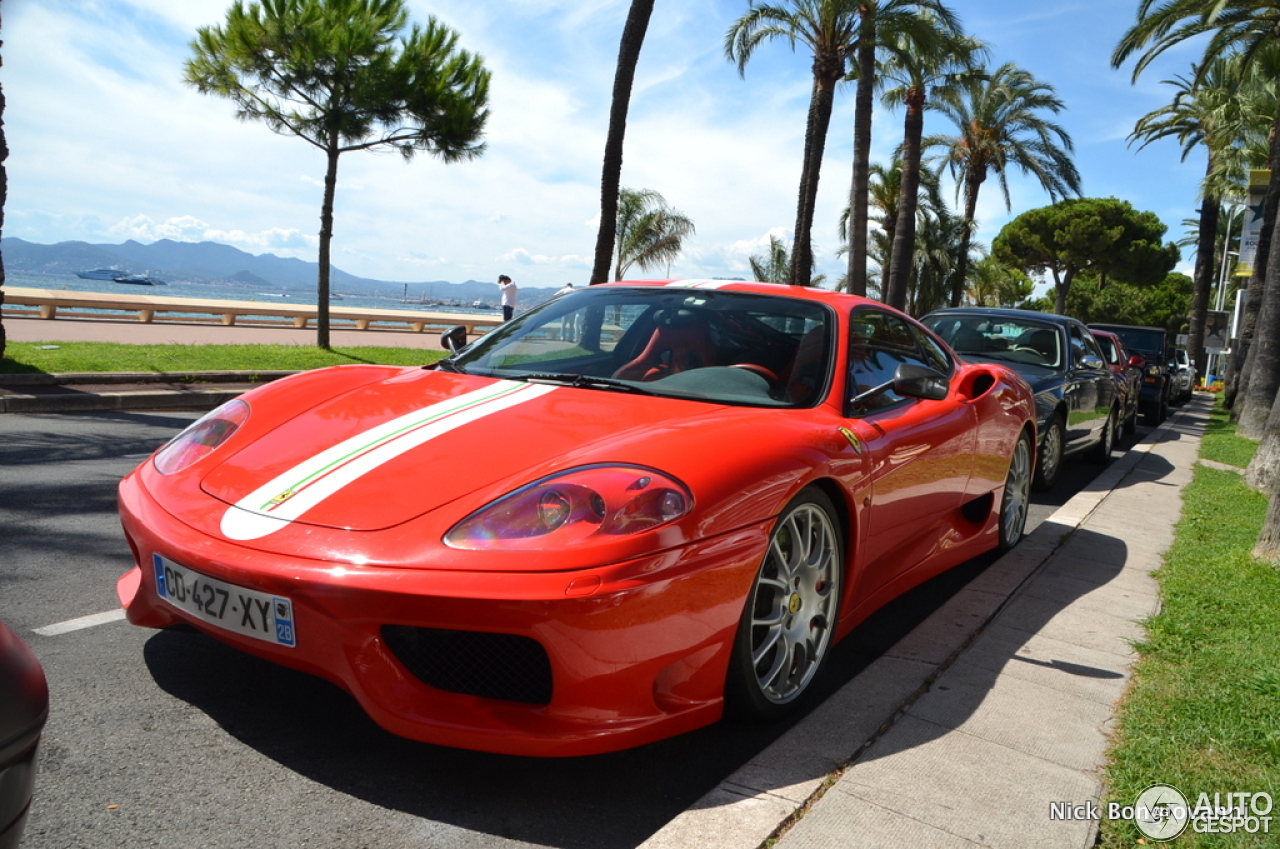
107 143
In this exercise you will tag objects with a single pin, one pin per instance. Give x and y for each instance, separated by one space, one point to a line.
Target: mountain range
210 262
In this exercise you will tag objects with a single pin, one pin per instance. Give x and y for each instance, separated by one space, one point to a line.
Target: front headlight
201 438
574 507
1153 370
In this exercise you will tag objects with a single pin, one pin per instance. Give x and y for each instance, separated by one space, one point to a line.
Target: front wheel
785 632
1016 498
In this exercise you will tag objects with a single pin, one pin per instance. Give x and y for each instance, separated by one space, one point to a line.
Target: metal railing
56 303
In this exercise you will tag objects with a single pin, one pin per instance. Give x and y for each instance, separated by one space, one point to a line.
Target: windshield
1013 340
1147 343
1109 351
703 344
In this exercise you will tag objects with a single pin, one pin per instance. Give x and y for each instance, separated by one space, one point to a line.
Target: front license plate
243 611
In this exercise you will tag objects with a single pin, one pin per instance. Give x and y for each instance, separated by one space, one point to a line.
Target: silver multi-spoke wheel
791 611
1017 494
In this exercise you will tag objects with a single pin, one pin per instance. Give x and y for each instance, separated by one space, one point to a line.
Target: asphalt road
169 739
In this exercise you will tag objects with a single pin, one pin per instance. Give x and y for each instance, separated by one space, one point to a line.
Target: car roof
1000 312
810 293
1106 326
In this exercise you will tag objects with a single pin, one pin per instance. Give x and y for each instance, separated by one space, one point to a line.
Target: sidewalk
995 708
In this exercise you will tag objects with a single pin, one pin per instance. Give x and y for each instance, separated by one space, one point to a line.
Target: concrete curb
82 392
763 799
142 377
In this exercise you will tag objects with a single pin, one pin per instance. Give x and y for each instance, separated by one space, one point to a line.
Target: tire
1101 453
1131 423
1049 463
784 635
1015 500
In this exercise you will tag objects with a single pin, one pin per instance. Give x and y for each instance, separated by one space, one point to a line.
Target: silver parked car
1184 376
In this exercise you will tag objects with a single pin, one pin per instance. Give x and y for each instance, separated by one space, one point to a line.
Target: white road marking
80 624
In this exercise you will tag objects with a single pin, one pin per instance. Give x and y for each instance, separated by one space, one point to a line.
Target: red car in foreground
597 526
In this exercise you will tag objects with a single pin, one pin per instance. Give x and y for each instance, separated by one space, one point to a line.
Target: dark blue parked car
1076 397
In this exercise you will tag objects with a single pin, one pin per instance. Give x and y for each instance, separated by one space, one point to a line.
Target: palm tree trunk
326 239
966 237
1210 209
904 231
4 196
1237 376
1264 354
815 140
633 33
863 109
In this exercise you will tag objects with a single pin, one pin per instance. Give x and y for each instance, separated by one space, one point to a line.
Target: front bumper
635 651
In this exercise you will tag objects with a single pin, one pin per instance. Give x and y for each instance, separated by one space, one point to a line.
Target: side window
878 344
1082 345
934 356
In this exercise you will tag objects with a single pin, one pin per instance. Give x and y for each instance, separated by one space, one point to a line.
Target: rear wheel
785 632
1131 423
1016 499
1101 452
1051 450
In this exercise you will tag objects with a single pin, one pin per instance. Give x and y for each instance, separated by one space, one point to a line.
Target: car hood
385 453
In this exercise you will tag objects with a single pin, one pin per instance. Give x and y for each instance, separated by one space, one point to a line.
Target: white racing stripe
285 498
700 284
80 624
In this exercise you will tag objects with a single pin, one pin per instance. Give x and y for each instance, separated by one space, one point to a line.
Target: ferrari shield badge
852 438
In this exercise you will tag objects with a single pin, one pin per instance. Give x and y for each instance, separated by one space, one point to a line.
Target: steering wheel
770 377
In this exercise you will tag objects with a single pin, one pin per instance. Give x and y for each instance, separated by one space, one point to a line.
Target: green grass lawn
34 358
1203 711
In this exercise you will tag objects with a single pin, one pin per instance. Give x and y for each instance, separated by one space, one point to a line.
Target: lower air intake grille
477 663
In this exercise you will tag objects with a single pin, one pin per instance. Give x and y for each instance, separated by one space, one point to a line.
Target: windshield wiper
584 381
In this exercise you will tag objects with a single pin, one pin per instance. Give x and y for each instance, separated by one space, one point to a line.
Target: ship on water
117 276
101 274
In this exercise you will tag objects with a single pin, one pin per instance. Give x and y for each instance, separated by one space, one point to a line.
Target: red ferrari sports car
602 524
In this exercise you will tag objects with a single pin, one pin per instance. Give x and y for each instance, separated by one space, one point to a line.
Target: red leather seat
680 341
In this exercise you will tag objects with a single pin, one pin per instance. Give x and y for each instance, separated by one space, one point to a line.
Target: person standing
566 289
509 292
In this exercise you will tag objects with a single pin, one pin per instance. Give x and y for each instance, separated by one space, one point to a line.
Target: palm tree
904 26
633 33
933 59
650 233
1205 115
773 267
999 125
884 209
997 285
936 256
829 28
1231 26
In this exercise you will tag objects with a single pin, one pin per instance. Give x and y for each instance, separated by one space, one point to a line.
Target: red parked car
597 525
1127 369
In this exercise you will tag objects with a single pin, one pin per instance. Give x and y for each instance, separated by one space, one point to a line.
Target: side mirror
1136 362
454 339
909 381
1089 361
920 382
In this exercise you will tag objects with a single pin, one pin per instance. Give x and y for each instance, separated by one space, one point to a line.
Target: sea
229 292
